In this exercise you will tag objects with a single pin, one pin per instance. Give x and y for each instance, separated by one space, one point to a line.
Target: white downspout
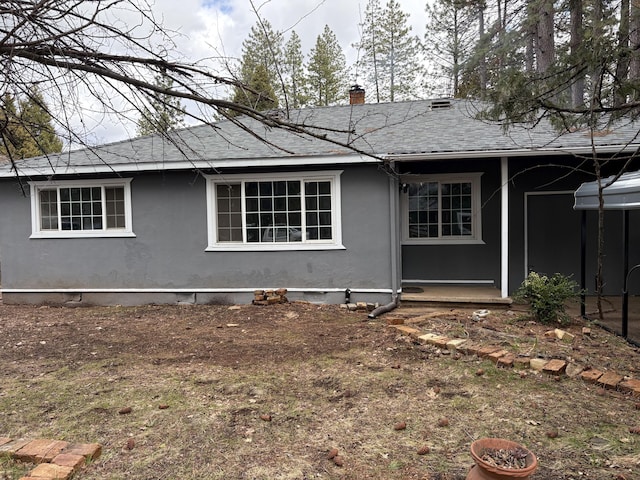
504 227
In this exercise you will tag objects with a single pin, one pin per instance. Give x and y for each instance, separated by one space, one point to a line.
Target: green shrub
547 296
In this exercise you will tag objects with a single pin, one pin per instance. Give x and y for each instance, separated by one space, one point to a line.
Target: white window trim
336 214
37 232
476 206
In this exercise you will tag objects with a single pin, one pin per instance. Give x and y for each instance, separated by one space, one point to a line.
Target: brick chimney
356 95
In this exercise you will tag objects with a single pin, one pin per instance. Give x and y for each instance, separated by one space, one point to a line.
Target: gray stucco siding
169 219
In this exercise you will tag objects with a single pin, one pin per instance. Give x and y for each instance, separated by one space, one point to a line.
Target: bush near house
547 296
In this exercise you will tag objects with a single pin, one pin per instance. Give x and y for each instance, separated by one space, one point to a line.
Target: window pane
325 203
318 210
115 207
252 204
251 189
293 187
48 210
423 209
228 200
440 209
280 188
456 212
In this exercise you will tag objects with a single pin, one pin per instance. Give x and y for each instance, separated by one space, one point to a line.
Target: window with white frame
81 208
274 212
442 209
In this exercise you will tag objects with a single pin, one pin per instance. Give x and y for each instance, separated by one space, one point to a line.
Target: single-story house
426 195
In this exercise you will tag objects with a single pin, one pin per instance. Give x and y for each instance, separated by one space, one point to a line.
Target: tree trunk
634 41
545 46
483 59
577 37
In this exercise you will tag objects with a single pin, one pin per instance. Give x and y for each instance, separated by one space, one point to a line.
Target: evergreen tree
258 93
294 72
327 70
165 113
27 131
390 57
260 65
449 40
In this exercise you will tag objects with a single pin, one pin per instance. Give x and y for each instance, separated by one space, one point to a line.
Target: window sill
273 247
83 235
440 241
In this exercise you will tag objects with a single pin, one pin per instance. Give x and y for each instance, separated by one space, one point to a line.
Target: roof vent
440 104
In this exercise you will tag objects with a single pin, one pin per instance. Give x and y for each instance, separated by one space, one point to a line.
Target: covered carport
622 194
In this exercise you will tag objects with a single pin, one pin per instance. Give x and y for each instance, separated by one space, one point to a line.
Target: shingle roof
399 130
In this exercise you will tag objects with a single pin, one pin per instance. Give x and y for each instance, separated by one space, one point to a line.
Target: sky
202 29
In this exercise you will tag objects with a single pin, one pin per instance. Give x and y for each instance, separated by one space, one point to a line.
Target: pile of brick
55 459
270 297
359 306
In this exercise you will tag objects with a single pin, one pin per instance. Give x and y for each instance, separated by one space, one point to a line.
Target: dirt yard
218 392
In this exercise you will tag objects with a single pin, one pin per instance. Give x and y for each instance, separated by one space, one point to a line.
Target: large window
291 211
76 208
441 209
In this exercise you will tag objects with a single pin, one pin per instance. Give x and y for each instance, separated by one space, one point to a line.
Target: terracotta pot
485 471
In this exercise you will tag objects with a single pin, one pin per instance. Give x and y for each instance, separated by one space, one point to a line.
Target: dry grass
349 399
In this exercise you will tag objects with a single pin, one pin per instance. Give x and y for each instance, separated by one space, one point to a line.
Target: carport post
583 263
625 270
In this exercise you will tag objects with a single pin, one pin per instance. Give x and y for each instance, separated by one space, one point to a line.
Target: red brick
555 367
470 349
4 440
90 451
51 472
12 447
486 351
591 376
69 460
495 356
610 380
414 332
40 450
394 321
506 360
630 386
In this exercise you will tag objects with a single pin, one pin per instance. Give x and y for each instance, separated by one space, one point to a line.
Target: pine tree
327 70
165 112
449 41
389 54
260 65
258 93
294 72
27 131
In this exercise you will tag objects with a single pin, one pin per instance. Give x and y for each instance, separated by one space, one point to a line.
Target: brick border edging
608 380
55 459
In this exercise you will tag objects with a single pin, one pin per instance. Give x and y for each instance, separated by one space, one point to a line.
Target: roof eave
524 152
133 167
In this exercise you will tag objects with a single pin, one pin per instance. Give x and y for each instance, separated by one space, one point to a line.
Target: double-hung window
441 209
269 212
97 208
